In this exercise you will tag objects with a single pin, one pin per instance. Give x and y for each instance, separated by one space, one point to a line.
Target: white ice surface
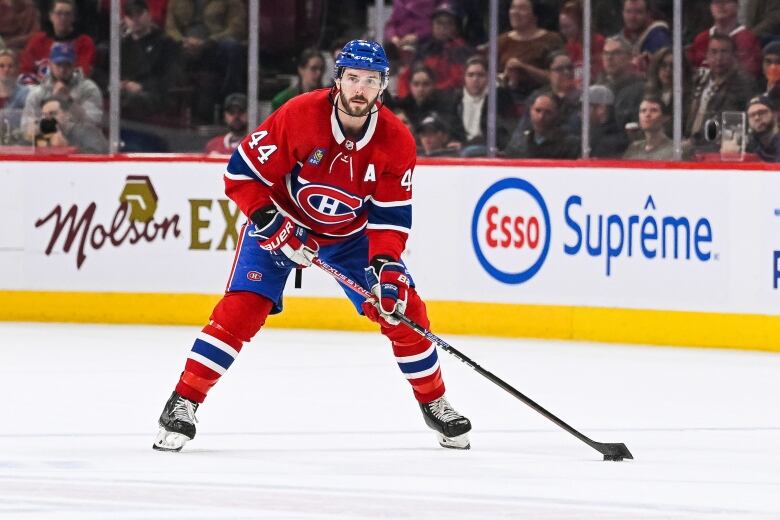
321 425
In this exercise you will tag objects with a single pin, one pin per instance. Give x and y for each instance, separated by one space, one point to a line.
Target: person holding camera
57 128
67 83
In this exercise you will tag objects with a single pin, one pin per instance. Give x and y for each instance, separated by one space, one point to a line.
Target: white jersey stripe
416 357
388 226
238 177
393 204
252 166
206 362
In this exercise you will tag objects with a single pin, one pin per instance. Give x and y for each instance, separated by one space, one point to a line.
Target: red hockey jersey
333 184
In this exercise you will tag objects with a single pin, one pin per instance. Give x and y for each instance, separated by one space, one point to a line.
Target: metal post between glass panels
586 68
677 78
253 63
113 79
493 75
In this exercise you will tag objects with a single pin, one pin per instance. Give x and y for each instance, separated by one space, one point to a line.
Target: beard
357 113
237 127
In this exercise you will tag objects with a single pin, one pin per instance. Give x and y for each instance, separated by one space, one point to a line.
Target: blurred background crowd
184 75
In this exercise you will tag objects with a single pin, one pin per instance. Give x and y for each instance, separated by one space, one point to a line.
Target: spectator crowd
184 69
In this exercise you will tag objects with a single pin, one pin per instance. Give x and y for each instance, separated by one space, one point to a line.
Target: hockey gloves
389 283
289 244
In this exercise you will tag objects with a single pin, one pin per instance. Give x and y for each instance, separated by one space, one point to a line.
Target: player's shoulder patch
317 156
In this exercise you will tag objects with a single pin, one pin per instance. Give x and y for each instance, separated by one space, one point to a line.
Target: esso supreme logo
510 230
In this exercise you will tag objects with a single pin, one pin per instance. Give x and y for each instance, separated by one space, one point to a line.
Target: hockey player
329 174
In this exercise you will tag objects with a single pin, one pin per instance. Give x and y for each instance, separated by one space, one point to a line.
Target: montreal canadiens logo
327 205
254 276
510 231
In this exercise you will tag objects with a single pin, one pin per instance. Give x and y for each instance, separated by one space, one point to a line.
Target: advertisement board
556 237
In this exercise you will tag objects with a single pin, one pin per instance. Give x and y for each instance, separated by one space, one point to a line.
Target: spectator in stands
771 70
724 13
762 17
66 82
764 133
564 88
311 68
544 139
606 139
235 119
12 93
644 35
401 115
410 22
19 19
523 51
212 34
471 110
434 134
720 87
619 78
660 83
58 127
150 62
12 96
570 26
423 96
656 145
446 51
33 59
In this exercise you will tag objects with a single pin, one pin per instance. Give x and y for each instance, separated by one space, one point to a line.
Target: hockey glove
388 281
289 244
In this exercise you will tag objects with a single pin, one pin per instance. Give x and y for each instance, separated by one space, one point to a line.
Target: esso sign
510 230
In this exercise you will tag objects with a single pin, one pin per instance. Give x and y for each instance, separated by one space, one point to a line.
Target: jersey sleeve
390 210
261 160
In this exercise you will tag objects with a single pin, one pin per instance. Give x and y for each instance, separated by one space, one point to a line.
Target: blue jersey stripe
400 216
237 166
211 352
419 366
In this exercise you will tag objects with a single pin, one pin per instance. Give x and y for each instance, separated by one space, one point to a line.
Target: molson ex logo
133 222
510 230
652 234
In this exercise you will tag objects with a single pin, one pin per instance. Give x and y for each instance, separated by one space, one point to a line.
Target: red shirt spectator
34 58
445 53
725 12
236 120
570 26
18 20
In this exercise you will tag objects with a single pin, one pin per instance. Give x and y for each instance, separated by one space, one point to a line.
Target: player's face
359 91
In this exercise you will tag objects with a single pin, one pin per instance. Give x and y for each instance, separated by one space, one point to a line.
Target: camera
48 126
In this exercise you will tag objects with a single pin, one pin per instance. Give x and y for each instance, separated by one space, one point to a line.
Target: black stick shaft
606 449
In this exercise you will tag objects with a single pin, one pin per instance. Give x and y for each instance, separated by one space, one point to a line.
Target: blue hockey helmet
363 54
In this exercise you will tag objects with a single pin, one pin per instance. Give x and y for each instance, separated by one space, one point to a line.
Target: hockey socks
213 352
421 369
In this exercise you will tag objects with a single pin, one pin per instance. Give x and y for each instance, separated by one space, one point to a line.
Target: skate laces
442 410
184 410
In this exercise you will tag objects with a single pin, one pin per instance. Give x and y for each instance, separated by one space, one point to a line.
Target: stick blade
616 451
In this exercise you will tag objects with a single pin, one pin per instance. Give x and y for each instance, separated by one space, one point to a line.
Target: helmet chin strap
334 99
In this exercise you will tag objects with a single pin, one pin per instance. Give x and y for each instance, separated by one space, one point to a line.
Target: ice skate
177 424
451 427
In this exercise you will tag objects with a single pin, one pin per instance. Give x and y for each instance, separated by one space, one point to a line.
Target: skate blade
459 442
169 441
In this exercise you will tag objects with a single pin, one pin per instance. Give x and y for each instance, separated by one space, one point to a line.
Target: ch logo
140 197
254 276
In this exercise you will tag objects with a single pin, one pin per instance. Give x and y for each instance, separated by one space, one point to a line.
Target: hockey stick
611 451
